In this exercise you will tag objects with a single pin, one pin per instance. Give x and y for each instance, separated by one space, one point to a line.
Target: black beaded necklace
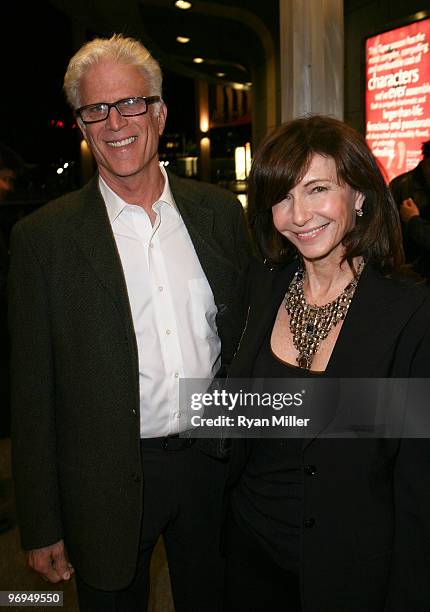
311 324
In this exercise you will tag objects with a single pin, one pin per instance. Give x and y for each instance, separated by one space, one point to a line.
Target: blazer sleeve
400 188
409 587
32 398
239 297
409 583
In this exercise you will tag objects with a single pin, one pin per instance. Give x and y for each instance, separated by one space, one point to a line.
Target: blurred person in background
11 166
411 192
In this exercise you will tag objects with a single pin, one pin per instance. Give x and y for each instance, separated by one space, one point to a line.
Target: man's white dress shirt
172 306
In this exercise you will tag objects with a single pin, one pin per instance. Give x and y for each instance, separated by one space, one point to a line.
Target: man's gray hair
119 48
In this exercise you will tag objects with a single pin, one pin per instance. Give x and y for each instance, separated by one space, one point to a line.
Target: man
411 192
118 291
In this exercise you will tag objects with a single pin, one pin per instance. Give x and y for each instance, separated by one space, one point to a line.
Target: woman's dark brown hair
282 160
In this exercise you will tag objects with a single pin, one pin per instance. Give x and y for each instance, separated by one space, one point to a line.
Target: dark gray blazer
75 388
365 541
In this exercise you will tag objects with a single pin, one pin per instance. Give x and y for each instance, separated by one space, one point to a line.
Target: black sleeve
32 398
409 582
418 230
409 587
400 188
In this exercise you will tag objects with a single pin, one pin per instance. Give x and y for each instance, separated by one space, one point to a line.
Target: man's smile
121 143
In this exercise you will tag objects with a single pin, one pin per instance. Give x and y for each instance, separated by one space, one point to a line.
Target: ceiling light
204 122
182 39
198 60
220 74
182 4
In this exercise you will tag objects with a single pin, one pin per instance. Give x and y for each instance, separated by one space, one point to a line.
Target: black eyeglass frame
148 100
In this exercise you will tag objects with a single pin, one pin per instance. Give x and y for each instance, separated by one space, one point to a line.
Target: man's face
123 147
7 182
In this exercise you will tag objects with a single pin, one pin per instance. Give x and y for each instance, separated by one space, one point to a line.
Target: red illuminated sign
398 96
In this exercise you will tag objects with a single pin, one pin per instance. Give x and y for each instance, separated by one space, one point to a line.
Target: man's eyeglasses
127 107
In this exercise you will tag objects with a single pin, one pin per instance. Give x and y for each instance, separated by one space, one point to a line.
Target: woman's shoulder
404 282
401 294
262 270
265 277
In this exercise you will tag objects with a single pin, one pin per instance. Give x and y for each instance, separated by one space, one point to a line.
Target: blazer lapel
199 220
364 348
371 324
369 331
370 328
268 288
94 237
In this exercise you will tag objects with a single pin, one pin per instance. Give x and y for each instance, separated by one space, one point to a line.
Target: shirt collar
167 196
115 205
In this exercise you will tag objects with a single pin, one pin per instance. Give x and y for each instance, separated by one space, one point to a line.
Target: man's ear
82 127
162 116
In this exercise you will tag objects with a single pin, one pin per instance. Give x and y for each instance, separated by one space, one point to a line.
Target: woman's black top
268 500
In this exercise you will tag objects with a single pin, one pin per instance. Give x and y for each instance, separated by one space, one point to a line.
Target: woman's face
317 213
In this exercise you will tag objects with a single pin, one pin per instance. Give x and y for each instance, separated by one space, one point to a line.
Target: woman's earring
359 212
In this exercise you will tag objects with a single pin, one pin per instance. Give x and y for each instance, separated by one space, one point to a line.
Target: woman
320 525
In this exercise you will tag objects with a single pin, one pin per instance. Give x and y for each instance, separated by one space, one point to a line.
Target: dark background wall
36 41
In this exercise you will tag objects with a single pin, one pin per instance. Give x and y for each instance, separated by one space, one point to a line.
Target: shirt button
177 415
160 288
176 374
309 523
134 411
168 332
136 477
311 470
151 245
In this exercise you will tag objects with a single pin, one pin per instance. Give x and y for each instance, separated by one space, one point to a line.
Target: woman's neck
325 280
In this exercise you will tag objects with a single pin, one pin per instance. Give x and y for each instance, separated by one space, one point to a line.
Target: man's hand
408 209
51 562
